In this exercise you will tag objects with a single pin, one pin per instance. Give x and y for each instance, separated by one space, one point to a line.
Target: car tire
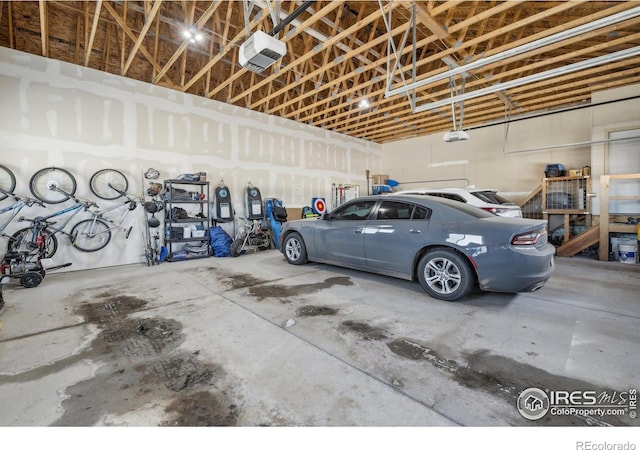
295 252
445 275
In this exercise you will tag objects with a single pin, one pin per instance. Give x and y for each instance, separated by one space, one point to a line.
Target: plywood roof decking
337 54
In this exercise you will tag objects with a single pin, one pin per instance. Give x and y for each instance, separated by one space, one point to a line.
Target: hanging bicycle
87 235
91 235
43 232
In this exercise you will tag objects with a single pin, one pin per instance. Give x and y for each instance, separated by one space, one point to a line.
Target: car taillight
496 211
528 238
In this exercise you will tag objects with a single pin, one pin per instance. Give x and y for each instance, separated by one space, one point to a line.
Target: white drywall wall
494 157
512 157
58 114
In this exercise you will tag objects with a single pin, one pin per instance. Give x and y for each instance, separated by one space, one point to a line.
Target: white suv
487 199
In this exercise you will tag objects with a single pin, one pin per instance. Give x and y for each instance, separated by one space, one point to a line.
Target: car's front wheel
295 251
445 275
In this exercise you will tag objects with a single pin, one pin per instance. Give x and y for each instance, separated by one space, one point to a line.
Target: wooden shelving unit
567 197
532 205
606 226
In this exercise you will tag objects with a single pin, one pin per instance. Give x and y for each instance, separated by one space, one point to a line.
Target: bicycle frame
41 223
101 215
14 209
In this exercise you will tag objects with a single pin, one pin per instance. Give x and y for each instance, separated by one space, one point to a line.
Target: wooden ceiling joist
44 28
199 24
143 33
94 28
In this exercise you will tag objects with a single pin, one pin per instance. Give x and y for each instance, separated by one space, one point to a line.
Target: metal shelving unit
193 197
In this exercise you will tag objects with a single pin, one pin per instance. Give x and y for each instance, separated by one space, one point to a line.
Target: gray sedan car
447 246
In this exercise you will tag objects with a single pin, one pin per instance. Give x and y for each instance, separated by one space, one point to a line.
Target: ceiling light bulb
186 34
364 103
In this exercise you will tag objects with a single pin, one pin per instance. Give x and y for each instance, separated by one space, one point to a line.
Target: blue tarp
220 241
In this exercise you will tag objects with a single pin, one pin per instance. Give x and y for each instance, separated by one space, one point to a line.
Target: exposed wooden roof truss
338 54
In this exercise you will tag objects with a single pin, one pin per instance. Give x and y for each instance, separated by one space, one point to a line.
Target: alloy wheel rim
293 249
442 275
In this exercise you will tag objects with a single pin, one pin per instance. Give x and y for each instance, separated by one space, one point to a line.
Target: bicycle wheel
90 235
52 185
108 184
7 182
24 241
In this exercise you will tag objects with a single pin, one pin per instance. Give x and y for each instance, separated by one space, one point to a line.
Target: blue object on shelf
380 189
554 170
392 183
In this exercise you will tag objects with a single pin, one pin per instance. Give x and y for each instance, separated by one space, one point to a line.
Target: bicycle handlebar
86 203
130 198
32 201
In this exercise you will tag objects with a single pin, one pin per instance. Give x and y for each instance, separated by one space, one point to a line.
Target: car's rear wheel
445 275
295 252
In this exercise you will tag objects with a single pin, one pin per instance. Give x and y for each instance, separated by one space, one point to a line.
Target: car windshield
492 197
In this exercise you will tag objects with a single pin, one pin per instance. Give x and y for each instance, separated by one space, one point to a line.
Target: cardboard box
379 179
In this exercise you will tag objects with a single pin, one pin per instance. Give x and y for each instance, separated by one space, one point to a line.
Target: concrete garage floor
254 341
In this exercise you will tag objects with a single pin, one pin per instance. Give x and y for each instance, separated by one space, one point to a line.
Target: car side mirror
326 216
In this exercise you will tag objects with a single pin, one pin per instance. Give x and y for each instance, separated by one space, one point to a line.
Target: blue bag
220 241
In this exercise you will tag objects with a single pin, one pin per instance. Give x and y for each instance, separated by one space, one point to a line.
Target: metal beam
606 21
622 54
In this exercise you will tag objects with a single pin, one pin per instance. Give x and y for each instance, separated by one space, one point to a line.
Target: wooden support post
604 218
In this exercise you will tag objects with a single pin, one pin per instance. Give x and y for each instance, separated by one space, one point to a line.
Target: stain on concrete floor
201 408
497 375
141 366
363 330
312 310
262 292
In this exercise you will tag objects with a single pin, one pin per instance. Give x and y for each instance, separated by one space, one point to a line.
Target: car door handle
414 231
358 230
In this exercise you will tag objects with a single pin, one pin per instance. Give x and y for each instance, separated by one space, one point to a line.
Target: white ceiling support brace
452 63
392 50
622 54
605 21
275 14
247 5
454 90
